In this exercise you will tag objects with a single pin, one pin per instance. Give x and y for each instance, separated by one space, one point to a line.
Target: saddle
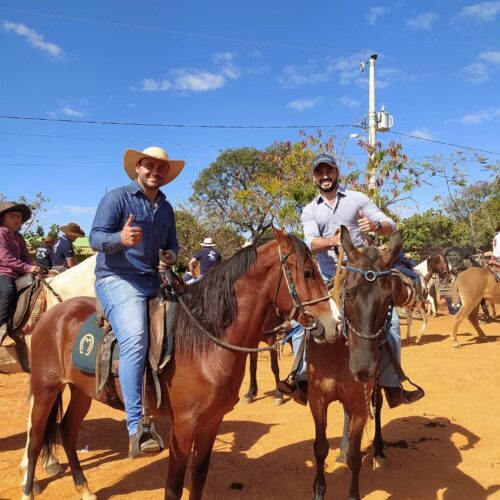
161 312
28 292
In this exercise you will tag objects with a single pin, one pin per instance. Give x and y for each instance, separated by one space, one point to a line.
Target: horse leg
473 318
463 313
344 442
44 411
356 426
275 367
379 457
202 451
409 321
252 390
181 441
77 410
23 466
486 313
425 320
319 412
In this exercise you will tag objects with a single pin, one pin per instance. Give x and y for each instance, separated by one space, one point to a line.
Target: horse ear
345 239
395 245
281 236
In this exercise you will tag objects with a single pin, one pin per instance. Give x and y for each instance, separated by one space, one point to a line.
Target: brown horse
201 382
470 287
347 372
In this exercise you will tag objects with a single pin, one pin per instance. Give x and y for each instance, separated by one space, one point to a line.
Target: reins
285 326
46 283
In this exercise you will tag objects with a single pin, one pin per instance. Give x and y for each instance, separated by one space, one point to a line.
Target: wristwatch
378 226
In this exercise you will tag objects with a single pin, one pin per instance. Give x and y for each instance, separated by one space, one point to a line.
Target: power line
171 125
236 127
444 143
161 30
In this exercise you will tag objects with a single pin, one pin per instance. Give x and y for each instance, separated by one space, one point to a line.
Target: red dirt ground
445 446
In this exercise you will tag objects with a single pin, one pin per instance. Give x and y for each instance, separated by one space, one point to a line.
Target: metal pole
372 120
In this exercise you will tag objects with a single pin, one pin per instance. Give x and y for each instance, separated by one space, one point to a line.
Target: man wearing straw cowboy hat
131 225
64 253
208 257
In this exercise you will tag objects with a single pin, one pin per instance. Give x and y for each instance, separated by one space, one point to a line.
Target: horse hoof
278 401
35 490
248 399
456 345
53 469
379 463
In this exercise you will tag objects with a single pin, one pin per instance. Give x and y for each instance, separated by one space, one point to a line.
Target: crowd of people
133 222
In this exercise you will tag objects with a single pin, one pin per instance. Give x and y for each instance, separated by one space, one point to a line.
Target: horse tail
51 433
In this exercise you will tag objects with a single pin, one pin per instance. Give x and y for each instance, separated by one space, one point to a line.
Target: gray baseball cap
326 158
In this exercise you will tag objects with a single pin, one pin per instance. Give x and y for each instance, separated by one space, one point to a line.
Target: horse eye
308 274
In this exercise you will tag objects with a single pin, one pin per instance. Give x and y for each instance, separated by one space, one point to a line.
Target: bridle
309 319
369 276
283 327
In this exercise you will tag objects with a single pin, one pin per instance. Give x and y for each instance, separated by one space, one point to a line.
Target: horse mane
212 300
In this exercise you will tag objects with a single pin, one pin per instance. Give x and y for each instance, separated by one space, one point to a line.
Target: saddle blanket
86 346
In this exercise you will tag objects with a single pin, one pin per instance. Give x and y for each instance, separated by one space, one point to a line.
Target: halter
369 276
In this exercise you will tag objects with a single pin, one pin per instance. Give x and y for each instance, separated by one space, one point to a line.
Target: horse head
438 264
367 302
307 300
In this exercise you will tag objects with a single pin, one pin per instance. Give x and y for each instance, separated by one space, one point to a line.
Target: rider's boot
396 396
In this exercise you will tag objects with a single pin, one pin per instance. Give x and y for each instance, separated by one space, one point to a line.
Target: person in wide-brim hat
132 157
208 242
73 229
12 206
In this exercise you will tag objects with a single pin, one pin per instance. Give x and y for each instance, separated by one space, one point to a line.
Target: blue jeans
388 377
124 301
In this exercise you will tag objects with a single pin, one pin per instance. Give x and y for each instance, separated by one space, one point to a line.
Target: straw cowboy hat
72 229
208 242
132 157
49 239
12 206
246 244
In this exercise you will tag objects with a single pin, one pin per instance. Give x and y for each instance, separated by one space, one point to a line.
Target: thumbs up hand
365 224
130 236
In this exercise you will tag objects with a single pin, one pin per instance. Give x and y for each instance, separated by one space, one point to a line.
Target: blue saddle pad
86 346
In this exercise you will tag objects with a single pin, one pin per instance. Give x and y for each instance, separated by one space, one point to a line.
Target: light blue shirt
320 220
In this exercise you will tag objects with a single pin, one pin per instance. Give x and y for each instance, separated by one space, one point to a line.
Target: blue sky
281 63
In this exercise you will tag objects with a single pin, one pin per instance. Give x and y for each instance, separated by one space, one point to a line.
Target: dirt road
445 446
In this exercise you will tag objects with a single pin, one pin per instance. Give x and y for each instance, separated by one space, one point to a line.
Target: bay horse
471 287
346 369
201 381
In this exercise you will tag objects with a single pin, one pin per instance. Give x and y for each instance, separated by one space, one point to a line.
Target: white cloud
34 39
481 12
422 21
492 57
422 133
196 80
304 104
375 13
480 71
79 210
480 116
345 69
348 102
71 112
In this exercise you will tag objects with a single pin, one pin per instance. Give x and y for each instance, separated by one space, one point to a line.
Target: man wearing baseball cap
321 220
131 225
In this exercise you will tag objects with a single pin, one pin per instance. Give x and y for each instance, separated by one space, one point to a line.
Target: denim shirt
158 232
321 220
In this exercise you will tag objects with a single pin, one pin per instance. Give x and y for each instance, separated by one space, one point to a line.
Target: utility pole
372 121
